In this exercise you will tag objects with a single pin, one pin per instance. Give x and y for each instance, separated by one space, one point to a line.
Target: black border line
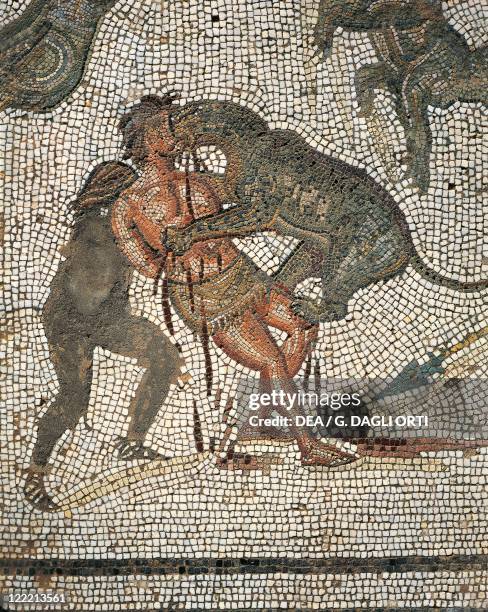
232 566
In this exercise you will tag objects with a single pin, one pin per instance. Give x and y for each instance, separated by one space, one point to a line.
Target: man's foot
134 449
36 494
314 452
239 461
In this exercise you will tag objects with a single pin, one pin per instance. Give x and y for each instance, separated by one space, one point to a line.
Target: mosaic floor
245 286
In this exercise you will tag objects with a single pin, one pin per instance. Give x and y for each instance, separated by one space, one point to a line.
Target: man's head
146 128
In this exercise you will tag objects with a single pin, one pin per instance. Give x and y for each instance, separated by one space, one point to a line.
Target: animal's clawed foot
317 313
176 240
315 452
134 449
420 177
366 106
36 493
323 50
365 96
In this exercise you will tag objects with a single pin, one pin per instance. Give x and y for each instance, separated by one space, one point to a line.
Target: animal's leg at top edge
367 79
325 27
419 138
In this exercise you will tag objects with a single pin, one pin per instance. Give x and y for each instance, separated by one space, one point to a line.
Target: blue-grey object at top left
43 52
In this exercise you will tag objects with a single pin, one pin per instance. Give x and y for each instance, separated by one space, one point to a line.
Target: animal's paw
323 50
317 313
176 240
306 310
36 494
134 449
419 176
365 98
366 108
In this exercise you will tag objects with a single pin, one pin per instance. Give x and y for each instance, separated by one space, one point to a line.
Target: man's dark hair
133 124
103 186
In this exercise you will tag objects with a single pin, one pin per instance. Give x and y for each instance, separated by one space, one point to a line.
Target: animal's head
199 121
225 126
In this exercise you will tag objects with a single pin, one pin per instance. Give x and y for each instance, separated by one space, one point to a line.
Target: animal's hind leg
278 313
378 251
370 247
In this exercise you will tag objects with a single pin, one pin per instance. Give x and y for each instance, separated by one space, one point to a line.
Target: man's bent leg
73 365
144 341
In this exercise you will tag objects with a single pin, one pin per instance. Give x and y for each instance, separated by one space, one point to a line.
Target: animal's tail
444 281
